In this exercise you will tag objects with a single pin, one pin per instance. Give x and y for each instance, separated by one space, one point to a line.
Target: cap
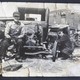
16 14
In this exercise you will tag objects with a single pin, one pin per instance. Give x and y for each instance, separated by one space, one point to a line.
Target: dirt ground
45 67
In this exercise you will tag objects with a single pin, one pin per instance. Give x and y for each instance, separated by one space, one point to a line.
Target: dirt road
45 67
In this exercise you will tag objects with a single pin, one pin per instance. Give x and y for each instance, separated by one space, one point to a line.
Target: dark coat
65 45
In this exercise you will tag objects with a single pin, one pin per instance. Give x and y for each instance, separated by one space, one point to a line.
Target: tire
77 41
53 59
54 52
73 45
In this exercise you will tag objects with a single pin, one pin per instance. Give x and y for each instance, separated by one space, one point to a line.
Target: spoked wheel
54 51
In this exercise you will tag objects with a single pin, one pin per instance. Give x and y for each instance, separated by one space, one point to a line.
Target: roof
61 26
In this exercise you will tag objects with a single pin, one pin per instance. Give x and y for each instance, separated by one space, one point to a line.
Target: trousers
7 42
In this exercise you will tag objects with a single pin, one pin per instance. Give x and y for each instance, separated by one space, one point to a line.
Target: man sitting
13 30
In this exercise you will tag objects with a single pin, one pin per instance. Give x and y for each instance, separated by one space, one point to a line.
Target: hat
16 14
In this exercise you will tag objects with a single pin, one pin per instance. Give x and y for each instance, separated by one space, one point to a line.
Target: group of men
15 30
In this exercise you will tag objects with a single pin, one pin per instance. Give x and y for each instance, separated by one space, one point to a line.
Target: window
33 17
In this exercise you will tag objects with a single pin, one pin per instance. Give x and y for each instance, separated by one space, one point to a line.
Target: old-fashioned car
36 21
36 31
40 37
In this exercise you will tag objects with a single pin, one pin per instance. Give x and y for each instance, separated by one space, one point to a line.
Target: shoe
6 58
17 57
3 60
63 58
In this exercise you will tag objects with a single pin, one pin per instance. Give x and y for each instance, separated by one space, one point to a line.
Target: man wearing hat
14 30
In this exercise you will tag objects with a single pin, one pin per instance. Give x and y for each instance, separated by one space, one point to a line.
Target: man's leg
66 53
19 48
5 44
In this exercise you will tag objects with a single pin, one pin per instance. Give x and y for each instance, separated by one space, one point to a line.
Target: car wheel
54 52
77 41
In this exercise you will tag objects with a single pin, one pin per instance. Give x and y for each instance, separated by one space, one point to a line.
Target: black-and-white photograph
39 39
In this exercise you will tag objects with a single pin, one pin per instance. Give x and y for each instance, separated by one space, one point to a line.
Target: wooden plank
18 73
34 73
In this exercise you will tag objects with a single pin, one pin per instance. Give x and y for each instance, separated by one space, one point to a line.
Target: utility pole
55 14
43 5
55 6
67 6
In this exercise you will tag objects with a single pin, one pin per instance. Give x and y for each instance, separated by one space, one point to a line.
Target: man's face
16 18
60 33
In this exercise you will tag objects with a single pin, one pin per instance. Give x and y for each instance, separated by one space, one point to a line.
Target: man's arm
22 31
7 30
64 38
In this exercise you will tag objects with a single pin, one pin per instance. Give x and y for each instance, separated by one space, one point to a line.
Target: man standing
14 31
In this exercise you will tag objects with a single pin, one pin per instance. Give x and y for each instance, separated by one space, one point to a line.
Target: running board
40 52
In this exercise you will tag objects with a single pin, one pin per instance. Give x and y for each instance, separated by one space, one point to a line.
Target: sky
7 8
